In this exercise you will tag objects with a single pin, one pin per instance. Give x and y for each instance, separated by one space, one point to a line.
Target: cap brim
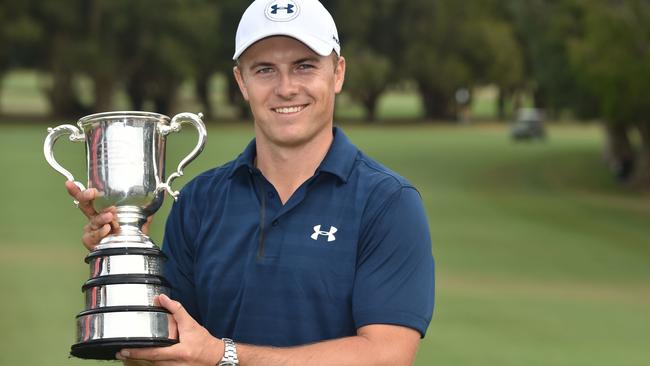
317 45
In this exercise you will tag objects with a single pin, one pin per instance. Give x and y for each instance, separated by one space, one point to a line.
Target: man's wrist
229 353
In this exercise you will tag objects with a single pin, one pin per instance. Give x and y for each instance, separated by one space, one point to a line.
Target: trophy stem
131 219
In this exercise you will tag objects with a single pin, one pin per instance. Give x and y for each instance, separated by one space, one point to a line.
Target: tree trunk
2 78
202 90
135 88
165 97
642 175
619 151
61 95
540 99
104 86
370 105
235 98
436 103
164 103
501 104
63 100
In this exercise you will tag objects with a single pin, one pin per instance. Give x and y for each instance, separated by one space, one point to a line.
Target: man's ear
339 74
240 82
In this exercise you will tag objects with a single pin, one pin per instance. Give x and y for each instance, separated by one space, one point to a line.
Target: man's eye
264 70
305 66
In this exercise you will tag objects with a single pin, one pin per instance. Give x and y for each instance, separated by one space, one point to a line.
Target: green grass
541 258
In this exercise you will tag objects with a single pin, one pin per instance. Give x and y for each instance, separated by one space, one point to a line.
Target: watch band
229 354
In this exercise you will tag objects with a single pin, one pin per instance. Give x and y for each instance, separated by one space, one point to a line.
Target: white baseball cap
305 20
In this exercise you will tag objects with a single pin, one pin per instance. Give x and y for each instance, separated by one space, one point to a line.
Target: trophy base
105 349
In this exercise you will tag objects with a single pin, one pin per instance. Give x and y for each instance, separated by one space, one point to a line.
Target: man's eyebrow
258 64
306 59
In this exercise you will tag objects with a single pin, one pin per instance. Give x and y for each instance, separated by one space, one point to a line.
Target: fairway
541 259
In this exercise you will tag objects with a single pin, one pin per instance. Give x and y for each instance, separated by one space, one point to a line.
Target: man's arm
375 345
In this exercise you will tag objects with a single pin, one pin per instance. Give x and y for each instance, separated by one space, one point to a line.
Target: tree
613 60
367 76
163 48
19 36
371 47
453 45
230 12
543 29
61 26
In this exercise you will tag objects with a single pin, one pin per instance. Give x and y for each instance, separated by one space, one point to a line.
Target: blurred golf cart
528 125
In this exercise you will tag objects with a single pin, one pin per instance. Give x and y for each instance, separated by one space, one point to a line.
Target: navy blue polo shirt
350 248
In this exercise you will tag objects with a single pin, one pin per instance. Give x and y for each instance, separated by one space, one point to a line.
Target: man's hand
196 347
100 224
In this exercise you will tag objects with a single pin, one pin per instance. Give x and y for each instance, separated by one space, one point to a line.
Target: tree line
587 57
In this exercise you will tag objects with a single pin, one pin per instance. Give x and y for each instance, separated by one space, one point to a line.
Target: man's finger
178 311
83 197
91 238
72 188
147 224
99 220
151 354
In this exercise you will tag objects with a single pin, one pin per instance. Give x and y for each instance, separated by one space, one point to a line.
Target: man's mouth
289 110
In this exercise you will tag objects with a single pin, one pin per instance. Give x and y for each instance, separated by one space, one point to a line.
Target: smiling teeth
289 109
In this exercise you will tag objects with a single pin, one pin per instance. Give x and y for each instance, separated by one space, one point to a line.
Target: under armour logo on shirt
329 234
288 8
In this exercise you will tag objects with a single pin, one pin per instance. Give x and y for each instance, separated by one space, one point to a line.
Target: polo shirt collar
245 160
338 161
340 157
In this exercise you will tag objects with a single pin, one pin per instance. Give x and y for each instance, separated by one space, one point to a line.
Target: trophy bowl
125 156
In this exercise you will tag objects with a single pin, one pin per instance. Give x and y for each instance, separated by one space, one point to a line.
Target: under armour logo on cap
282 10
329 234
288 8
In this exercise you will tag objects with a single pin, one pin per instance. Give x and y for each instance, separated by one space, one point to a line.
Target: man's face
290 90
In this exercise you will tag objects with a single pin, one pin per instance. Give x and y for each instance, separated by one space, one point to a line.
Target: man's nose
287 87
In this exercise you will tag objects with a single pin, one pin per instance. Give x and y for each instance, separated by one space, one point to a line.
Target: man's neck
287 168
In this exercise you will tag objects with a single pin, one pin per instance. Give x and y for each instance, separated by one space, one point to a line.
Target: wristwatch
230 353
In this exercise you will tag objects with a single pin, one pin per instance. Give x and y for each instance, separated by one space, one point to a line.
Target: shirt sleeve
394 282
178 241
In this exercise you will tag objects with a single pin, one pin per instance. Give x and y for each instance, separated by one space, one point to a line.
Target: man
302 250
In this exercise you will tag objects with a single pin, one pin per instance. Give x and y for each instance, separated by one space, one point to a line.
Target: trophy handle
175 126
48 148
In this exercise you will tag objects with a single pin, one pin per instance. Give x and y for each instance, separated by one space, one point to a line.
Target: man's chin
291 141
296 139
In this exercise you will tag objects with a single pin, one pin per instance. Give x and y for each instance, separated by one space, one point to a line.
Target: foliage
368 75
371 48
613 57
545 29
453 45
588 57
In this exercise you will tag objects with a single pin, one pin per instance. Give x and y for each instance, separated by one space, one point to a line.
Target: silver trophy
125 153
